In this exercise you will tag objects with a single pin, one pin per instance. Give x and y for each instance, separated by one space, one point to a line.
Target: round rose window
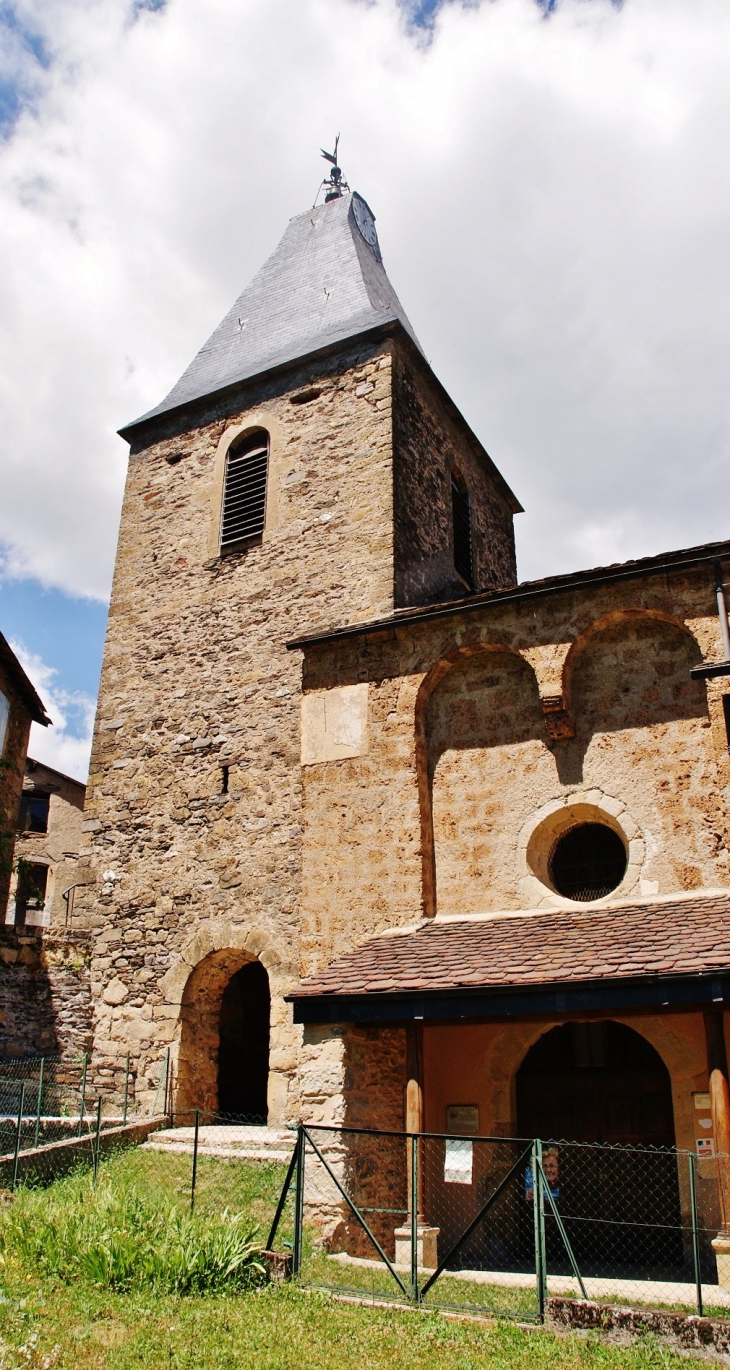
587 862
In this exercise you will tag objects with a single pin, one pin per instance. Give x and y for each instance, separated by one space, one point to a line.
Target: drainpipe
722 612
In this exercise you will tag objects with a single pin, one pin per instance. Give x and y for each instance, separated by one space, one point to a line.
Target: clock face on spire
365 223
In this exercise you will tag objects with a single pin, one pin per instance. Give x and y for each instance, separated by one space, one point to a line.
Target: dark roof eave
388 326
69 779
33 701
640 992
686 559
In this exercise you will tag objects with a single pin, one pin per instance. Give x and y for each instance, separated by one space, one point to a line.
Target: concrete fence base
46 1163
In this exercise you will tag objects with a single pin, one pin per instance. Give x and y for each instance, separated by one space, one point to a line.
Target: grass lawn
44 1325
67 1316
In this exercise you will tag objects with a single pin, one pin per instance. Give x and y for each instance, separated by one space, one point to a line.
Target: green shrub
115 1235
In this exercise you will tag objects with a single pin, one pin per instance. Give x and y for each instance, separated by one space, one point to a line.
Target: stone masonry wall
189 859
354 1077
642 741
45 1006
476 695
427 448
434 749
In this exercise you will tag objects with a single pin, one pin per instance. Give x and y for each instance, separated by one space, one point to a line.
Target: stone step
227 1142
225 1153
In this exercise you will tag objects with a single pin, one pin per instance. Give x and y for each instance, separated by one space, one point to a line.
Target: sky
552 191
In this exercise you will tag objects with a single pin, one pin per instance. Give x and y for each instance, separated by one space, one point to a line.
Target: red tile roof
685 935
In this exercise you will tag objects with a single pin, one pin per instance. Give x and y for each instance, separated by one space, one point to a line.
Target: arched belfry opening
243 1050
595 1082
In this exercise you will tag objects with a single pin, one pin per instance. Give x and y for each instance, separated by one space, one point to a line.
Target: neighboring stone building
363 812
48 838
45 999
19 707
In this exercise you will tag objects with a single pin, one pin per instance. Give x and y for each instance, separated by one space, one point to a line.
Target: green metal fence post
96 1143
692 1161
299 1206
414 1217
283 1196
563 1233
82 1100
195 1160
165 1100
18 1130
41 1073
539 1222
126 1090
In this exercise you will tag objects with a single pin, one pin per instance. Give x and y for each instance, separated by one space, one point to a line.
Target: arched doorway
603 1094
243 1048
595 1082
224 1040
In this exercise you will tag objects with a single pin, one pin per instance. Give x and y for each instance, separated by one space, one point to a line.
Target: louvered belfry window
461 514
244 493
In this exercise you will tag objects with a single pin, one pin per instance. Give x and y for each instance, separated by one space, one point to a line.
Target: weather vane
334 184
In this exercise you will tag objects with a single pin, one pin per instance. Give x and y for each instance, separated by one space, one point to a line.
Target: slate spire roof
323 284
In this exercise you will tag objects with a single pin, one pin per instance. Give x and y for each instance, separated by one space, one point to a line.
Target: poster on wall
551 1171
458 1160
463 1121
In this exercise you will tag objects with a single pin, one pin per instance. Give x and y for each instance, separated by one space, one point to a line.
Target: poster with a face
551 1171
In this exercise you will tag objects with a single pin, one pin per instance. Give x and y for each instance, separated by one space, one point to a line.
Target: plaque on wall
704 1139
462 1119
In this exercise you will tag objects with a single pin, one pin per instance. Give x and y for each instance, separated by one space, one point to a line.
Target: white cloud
552 197
66 745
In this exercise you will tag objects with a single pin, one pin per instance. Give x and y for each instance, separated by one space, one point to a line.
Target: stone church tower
307 472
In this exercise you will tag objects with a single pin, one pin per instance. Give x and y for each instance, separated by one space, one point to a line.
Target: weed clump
115 1235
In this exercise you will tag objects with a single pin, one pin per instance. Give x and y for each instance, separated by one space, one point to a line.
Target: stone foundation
684 1329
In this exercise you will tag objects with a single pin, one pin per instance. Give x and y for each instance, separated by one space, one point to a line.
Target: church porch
626 1058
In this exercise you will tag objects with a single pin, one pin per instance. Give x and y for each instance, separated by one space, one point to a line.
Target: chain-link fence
487 1225
53 1116
230 1161
498 1225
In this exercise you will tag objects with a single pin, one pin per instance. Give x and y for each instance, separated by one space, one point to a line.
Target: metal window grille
461 514
244 495
587 862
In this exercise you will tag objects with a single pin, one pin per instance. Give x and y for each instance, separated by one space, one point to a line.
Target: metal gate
496 1225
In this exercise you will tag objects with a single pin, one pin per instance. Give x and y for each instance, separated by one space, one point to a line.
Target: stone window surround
557 816
39 917
254 419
